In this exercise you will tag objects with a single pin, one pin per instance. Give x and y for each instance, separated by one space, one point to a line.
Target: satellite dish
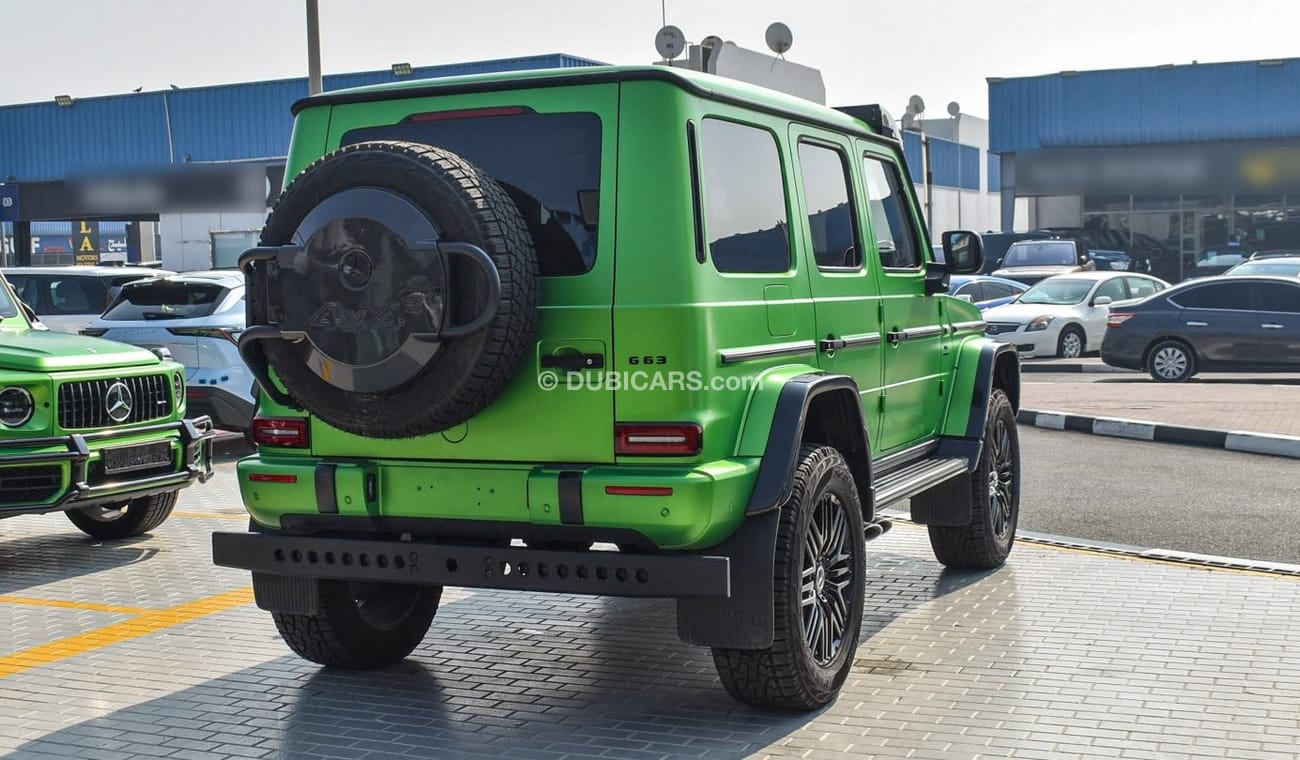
670 42
916 104
954 108
711 42
779 38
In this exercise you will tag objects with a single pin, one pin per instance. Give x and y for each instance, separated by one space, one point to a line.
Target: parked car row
197 317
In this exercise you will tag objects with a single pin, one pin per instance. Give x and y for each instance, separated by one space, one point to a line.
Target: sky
868 51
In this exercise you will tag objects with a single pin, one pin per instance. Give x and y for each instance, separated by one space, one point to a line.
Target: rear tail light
666 439
1118 318
291 432
224 333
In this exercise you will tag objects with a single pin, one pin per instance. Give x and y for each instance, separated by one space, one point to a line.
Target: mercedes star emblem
118 402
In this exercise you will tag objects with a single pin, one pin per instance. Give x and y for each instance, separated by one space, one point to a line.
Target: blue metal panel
914 154
222 123
995 173
969 157
943 162
1151 106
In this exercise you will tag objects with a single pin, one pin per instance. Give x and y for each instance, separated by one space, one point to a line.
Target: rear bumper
193 438
1118 349
516 568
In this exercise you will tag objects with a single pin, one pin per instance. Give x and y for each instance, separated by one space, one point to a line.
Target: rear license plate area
134 458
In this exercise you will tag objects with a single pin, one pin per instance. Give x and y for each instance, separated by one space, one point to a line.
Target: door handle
1197 324
1271 326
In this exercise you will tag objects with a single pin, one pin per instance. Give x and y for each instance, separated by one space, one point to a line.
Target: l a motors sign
85 242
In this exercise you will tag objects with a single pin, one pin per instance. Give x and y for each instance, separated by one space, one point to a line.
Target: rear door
1220 321
1279 325
554 151
846 305
912 322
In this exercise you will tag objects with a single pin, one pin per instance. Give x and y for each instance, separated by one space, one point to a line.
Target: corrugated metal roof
1250 100
220 123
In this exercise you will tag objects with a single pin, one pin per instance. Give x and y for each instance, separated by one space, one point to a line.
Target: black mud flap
744 620
285 594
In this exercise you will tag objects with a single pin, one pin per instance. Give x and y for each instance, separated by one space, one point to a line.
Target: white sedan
1066 315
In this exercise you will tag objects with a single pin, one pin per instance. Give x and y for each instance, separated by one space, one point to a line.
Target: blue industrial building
1177 160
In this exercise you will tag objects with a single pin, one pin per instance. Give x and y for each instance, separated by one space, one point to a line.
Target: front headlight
178 387
16 406
1039 324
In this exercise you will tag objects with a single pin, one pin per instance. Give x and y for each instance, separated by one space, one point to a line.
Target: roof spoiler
876 117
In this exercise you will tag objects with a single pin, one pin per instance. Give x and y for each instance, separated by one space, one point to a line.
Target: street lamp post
313 48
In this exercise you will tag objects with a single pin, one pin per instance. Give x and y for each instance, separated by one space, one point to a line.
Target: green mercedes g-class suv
624 331
92 428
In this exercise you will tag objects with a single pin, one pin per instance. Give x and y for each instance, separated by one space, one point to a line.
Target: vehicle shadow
1204 380
35 560
500 675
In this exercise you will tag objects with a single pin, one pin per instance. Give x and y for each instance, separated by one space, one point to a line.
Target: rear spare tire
390 333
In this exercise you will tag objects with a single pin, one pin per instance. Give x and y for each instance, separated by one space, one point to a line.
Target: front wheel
125 520
361 625
1071 344
819 572
995 498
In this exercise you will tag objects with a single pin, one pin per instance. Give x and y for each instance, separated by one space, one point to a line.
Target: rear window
166 299
548 163
1040 255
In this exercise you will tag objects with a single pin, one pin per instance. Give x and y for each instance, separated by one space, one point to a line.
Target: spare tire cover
368 303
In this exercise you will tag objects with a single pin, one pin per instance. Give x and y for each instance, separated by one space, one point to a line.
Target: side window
830 213
891 216
1112 288
26 290
998 290
76 295
1222 295
977 291
1140 287
746 226
1276 296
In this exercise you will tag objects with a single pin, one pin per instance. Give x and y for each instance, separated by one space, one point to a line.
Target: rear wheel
124 520
995 498
820 567
1171 361
361 625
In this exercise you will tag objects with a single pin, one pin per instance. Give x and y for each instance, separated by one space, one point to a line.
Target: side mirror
963 251
1102 301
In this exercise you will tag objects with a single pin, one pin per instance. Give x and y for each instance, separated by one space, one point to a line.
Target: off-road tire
340 635
1062 351
467 206
136 517
786 675
981 545
1168 351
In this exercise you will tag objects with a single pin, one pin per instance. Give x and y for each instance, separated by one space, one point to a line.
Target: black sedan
1237 324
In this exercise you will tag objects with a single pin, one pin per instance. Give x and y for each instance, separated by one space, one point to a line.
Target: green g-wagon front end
616 331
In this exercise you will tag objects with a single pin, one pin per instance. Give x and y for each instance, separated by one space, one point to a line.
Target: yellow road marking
91 606
212 515
148 622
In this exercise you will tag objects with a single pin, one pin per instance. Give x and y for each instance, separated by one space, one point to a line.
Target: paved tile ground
1255 408
1059 654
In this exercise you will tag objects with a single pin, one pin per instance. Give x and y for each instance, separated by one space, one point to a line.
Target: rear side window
7 306
1221 295
166 299
891 216
1141 287
75 295
549 164
999 290
830 212
745 220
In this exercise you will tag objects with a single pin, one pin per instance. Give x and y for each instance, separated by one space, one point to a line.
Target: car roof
91 271
1235 279
1104 274
228 278
1293 258
703 85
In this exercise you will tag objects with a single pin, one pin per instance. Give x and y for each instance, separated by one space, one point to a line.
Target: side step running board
920 477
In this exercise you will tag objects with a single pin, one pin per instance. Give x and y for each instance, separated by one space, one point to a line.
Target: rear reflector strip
638 491
266 477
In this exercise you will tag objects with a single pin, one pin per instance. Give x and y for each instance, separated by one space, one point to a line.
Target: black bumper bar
196 464
518 568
